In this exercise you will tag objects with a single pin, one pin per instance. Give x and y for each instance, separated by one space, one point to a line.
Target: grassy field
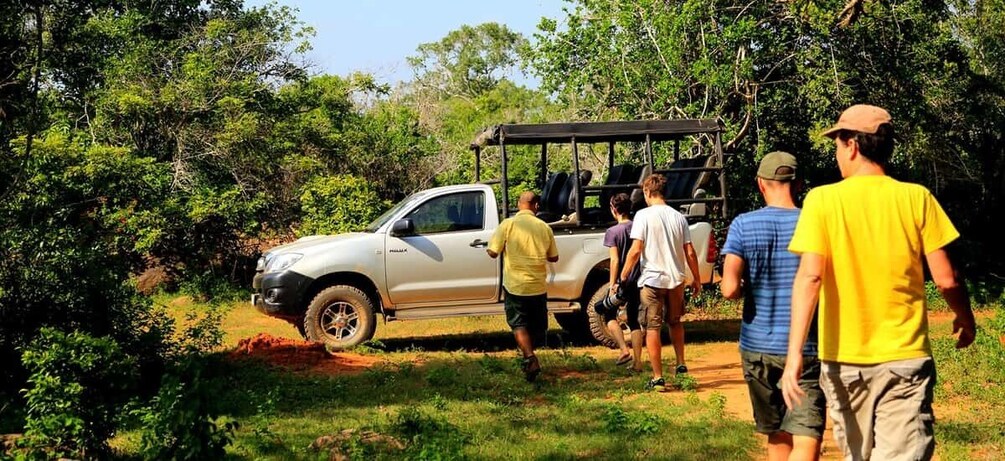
451 389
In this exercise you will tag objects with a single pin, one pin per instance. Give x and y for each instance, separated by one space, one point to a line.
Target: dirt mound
300 356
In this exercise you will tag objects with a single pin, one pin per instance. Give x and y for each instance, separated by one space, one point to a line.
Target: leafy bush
181 422
339 203
77 384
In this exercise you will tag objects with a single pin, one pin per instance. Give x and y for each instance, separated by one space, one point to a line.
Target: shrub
181 422
431 438
76 387
338 203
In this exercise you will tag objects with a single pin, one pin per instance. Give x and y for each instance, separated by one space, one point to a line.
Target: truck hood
314 243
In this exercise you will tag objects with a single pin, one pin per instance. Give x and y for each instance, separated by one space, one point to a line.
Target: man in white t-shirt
663 242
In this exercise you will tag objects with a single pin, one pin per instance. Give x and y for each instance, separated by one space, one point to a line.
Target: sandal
625 358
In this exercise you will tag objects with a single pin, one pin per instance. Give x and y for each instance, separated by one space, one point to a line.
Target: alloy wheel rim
340 320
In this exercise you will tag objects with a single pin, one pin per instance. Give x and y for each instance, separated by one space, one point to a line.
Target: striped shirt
761 238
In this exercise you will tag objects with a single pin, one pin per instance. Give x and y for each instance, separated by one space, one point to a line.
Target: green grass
452 389
970 394
579 409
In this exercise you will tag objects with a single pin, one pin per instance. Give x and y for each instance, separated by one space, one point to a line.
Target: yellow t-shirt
872 232
526 243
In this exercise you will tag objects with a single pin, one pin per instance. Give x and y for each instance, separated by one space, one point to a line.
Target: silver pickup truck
425 257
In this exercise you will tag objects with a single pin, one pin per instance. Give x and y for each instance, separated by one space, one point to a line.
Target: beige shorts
661 305
882 411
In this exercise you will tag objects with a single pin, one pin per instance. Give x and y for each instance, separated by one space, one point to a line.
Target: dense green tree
468 61
778 72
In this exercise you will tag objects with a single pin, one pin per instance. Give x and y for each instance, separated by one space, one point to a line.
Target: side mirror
403 227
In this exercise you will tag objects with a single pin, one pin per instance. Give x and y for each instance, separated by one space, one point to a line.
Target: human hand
966 326
695 287
789 383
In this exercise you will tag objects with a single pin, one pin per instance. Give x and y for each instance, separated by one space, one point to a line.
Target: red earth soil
302 356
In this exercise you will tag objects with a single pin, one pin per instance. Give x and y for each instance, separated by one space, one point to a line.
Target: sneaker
681 369
657 384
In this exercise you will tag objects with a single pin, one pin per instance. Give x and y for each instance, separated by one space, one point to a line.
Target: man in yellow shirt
863 243
527 245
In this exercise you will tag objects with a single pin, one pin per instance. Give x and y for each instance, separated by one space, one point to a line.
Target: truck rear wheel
340 316
598 328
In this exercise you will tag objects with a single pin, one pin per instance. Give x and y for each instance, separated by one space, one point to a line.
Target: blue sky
377 36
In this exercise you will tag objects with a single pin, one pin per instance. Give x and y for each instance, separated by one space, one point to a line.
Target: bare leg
524 341
637 349
677 338
805 448
655 347
675 306
779 446
619 336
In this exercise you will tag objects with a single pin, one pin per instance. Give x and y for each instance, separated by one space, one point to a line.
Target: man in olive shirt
527 245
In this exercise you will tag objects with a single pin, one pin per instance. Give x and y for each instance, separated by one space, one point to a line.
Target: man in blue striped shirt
759 267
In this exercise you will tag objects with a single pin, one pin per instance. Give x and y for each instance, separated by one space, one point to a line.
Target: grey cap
772 162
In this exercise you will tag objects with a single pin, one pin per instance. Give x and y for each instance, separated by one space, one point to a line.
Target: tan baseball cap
772 162
862 118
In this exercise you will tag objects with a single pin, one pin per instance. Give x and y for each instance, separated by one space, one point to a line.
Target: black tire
576 324
340 316
598 328
299 325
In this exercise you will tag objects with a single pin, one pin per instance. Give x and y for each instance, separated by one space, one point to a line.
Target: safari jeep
425 257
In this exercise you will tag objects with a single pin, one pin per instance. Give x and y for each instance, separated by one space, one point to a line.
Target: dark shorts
762 373
631 291
529 312
661 305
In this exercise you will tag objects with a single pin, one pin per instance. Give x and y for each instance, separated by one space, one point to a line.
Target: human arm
954 291
732 277
805 294
615 275
498 241
634 253
552 248
692 262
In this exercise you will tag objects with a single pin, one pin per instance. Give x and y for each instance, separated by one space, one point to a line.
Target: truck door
445 261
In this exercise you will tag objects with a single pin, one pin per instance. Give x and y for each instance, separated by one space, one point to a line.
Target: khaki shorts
882 411
661 305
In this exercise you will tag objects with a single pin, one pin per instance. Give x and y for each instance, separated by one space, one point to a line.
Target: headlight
260 266
282 262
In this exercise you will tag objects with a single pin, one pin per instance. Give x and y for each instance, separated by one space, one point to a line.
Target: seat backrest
584 179
682 184
559 201
552 188
618 174
638 198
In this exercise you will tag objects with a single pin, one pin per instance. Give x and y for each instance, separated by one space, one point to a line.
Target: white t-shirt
664 232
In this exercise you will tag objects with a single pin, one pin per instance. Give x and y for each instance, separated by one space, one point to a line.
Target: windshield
384 218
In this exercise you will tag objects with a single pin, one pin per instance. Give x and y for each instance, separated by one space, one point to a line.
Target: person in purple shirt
618 239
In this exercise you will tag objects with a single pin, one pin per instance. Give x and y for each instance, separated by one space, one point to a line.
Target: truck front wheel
340 316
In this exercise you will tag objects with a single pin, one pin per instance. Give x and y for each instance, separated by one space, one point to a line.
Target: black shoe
657 384
531 368
681 369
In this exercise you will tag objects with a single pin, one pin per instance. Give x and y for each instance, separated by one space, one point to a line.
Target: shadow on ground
696 331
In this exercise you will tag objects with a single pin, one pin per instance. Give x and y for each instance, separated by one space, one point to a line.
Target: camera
612 301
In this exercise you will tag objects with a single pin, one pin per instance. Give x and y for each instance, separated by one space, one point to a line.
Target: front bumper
280 294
